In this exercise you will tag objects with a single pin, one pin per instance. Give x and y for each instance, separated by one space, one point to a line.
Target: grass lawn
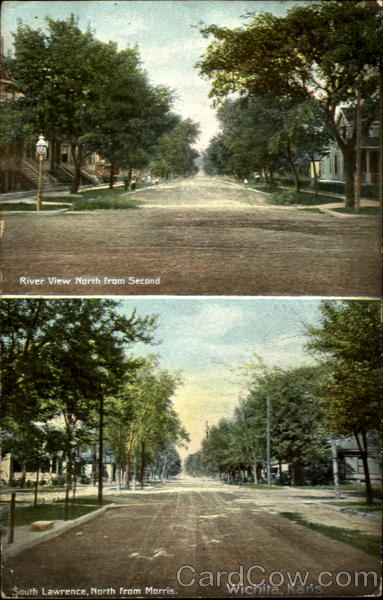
53 510
364 210
264 486
363 541
362 506
106 202
31 207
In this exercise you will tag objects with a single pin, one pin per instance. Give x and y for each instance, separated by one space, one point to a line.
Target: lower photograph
196 447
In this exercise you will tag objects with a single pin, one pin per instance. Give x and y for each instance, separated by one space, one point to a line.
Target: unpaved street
192 236
195 528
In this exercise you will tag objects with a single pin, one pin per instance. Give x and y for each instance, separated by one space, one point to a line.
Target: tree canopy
329 50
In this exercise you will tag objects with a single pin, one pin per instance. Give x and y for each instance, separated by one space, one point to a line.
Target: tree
141 421
349 342
216 156
66 356
130 118
175 155
327 50
87 92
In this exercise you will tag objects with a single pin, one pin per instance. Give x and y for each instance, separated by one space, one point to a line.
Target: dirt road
193 236
178 538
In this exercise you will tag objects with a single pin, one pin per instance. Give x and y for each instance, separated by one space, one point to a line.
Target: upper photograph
200 147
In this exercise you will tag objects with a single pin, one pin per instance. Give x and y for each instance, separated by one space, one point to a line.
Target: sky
167 34
206 338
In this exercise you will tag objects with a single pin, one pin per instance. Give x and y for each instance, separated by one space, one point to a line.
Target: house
331 164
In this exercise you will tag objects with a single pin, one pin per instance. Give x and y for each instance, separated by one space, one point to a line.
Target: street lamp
41 151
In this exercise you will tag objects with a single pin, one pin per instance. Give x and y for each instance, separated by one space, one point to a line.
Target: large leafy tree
348 341
130 118
175 154
62 358
141 420
61 74
326 49
80 89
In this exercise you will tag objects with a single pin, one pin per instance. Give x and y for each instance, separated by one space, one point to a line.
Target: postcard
236 459
190 198
147 151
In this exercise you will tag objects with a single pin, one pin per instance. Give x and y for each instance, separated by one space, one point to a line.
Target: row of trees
70 384
97 98
302 409
327 50
267 135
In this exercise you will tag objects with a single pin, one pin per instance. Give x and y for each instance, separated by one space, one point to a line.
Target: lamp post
41 151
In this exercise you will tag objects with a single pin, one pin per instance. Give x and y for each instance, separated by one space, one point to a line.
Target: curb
9 550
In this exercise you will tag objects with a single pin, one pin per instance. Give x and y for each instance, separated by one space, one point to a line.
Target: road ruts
195 529
195 236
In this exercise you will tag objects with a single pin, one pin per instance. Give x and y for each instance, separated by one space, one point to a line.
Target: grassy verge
284 197
264 486
363 210
109 202
363 541
371 508
54 510
115 191
31 207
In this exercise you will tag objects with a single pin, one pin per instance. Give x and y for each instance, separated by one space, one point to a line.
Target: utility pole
335 470
101 450
358 152
268 466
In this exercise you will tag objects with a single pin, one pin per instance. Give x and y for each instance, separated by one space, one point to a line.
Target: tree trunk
118 477
164 468
36 485
315 172
23 473
11 474
363 449
74 488
129 470
295 474
68 487
280 470
255 472
111 179
272 179
294 169
142 464
94 464
349 162
77 160
134 471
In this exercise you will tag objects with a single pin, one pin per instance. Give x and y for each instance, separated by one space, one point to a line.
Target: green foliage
285 197
104 203
76 88
363 541
297 432
325 49
175 154
142 412
349 342
23 206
